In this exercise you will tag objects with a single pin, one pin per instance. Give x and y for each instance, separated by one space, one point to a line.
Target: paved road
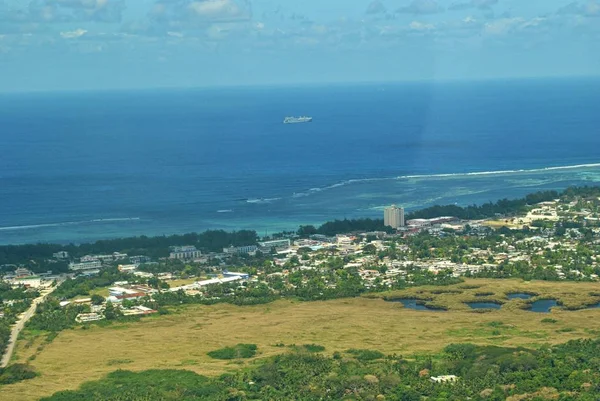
25 316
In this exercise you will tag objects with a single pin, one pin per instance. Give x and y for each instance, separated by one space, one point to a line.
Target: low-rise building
61 255
88 264
127 268
187 252
88 317
236 250
444 379
268 246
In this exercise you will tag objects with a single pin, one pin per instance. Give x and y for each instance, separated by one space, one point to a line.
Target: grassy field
182 339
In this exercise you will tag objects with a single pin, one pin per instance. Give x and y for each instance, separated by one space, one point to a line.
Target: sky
50 45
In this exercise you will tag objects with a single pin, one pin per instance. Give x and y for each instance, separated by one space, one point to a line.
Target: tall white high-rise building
394 216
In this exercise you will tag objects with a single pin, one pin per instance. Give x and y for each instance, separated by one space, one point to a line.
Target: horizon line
301 84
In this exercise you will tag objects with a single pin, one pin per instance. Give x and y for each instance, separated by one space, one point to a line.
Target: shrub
235 352
365 354
313 347
15 373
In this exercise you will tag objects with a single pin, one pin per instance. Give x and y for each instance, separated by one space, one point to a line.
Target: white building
61 255
89 265
444 379
394 217
127 268
267 246
184 252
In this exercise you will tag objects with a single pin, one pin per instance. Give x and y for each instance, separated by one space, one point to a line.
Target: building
127 268
61 255
394 217
232 250
85 265
444 379
184 252
139 259
267 246
88 317
244 276
22 272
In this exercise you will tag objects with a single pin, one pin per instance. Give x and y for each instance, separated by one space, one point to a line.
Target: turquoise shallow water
83 166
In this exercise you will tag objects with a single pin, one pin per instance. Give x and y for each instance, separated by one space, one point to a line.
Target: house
127 268
88 317
115 299
138 310
444 379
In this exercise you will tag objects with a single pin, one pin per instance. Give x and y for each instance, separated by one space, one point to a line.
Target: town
551 237
552 240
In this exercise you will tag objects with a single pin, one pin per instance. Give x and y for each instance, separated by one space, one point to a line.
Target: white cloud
217 9
502 26
175 34
421 26
73 34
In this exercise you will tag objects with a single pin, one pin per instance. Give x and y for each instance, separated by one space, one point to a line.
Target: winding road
23 318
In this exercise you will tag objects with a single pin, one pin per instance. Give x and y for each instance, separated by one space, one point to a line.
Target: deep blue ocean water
84 166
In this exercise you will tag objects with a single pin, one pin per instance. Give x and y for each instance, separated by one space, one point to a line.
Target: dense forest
564 372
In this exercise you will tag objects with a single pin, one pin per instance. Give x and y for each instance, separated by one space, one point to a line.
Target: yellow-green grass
182 339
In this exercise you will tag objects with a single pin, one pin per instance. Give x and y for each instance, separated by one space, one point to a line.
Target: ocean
77 167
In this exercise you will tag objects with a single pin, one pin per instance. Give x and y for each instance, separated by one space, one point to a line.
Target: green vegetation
236 352
37 256
13 301
332 228
474 212
51 317
365 354
15 373
566 372
308 348
82 286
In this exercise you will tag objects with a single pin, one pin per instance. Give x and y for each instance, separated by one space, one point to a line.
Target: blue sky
102 44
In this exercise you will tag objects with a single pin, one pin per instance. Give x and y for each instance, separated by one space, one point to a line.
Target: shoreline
283 214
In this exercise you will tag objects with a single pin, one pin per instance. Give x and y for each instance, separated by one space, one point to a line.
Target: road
25 316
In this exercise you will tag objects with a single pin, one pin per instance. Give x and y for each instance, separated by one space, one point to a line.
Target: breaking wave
313 191
262 200
67 223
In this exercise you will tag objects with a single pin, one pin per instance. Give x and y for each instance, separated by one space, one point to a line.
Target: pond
484 305
518 295
543 305
413 304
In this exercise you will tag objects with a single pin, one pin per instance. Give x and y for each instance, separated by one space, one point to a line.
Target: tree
97 299
370 249
110 312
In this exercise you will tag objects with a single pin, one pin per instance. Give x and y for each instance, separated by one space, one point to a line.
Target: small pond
543 305
519 295
412 304
484 305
